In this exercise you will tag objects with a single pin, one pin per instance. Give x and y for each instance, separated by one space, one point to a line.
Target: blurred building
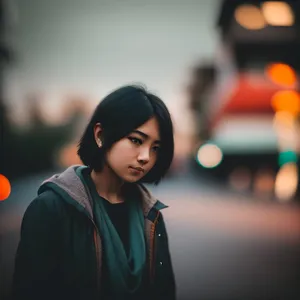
7 55
249 110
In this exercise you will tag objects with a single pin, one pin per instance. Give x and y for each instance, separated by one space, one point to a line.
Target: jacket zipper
96 238
152 248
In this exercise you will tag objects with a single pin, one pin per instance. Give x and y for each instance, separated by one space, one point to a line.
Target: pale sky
92 47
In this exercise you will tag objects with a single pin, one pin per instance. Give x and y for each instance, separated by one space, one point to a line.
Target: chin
131 179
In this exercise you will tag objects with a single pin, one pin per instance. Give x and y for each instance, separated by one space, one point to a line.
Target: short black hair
119 113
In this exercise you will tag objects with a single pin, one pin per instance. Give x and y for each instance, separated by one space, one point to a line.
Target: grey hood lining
70 182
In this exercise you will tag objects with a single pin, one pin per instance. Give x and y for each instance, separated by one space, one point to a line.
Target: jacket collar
69 185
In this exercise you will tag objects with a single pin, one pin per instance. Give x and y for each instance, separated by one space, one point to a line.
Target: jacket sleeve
36 260
164 275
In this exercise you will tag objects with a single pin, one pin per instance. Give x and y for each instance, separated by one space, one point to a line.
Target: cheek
120 153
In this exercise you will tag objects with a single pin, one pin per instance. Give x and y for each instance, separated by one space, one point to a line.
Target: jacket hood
69 185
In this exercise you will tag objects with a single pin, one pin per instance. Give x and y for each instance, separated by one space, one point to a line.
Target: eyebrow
145 136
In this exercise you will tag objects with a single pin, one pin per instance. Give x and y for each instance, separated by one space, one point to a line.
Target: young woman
95 231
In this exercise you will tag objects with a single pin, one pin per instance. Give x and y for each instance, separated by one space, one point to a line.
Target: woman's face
133 156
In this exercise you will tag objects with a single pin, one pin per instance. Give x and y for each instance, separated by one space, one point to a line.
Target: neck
108 185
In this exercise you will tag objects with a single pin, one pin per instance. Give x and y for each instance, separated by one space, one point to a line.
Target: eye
156 148
135 140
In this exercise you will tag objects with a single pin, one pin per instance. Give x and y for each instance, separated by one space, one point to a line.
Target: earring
99 143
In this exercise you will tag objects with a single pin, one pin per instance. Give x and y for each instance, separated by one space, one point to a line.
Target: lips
138 169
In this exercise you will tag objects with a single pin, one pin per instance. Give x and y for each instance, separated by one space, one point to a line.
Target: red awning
250 93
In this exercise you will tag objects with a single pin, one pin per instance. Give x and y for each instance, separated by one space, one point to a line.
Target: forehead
151 129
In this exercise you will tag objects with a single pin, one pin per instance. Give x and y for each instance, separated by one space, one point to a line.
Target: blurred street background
229 73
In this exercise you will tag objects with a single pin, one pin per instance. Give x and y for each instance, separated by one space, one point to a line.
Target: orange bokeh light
288 101
5 188
282 74
250 17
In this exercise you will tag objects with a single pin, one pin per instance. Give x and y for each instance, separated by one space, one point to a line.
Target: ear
97 134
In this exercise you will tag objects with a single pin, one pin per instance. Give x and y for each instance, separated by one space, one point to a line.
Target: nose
144 156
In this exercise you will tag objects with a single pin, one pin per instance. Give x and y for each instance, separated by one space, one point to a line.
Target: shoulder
45 207
41 223
148 197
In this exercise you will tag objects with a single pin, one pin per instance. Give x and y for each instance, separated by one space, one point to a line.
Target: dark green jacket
60 251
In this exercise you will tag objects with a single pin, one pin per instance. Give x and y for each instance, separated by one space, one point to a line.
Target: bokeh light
250 17
288 156
263 183
288 101
5 188
283 118
67 156
278 13
285 125
282 74
240 179
209 155
286 182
